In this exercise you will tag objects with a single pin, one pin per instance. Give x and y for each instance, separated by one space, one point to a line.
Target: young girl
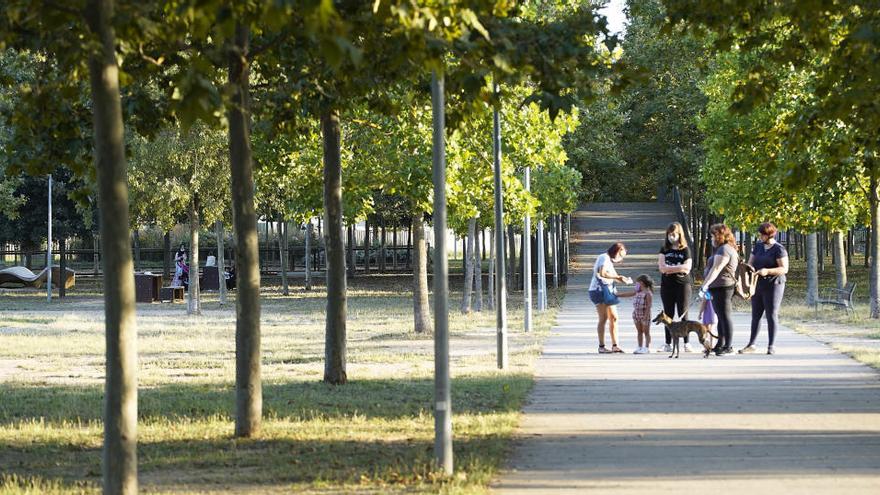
642 300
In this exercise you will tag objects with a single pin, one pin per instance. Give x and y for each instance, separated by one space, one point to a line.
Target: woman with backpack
720 283
770 259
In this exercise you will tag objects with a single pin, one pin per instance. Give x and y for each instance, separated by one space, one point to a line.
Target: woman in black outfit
674 263
770 259
721 282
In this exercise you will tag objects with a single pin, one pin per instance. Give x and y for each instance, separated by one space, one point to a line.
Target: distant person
674 263
720 283
603 293
770 260
642 308
181 268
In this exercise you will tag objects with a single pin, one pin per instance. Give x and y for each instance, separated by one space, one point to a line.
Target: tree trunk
283 247
748 245
221 260
120 329
511 258
394 248
839 261
468 262
850 241
820 250
308 257
542 268
874 272
334 343
351 255
478 270
166 256
421 309
248 386
62 268
868 244
366 247
194 303
136 235
409 245
555 227
812 269
490 281
382 249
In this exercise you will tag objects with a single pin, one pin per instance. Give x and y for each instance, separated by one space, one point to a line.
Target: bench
840 298
171 294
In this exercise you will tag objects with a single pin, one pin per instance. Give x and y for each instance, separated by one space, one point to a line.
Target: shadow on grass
359 410
226 463
377 398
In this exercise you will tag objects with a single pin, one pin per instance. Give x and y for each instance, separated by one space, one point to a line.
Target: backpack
746 280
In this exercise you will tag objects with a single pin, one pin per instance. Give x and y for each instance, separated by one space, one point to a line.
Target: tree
835 43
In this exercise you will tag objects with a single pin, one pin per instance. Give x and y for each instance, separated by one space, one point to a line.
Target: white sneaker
640 350
688 348
647 350
666 348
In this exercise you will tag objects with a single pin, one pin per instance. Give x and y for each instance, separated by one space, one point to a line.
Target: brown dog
681 329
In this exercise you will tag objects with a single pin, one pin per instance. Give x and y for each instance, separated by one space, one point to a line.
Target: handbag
608 296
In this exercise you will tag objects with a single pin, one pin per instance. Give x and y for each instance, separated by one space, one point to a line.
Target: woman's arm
682 268
718 264
782 269
661 263
609 274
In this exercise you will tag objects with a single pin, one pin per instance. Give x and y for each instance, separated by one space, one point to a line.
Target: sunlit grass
373 435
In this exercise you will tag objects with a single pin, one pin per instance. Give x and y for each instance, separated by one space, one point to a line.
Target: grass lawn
373 435
854 334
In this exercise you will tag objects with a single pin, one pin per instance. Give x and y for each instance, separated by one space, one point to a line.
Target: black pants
722 302
767 299
675 297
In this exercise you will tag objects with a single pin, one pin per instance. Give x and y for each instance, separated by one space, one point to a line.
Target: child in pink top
642 301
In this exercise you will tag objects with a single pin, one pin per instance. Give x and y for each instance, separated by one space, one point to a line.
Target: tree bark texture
119 466
839 259
248 386
421 308
468 262
478 270
490 280
335 332
511 258
194 302
874 270
166 256
812 269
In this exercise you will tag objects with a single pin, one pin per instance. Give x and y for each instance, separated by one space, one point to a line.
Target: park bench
840 298
171 294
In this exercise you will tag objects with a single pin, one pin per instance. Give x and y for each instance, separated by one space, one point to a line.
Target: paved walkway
806 420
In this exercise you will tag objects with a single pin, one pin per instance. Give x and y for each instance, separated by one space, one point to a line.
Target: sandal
604 350
616 349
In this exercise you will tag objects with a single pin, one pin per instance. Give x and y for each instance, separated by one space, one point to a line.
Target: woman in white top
604 277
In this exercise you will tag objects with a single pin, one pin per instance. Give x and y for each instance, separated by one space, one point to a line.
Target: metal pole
442 392
527 260
542 269
49 248
501 295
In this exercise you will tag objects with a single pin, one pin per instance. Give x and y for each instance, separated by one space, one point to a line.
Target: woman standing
770 259
674 263
721 282
603 293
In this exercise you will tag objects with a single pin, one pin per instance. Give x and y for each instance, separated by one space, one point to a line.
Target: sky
616 18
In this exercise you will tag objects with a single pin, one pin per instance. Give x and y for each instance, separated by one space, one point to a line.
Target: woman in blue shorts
603 293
